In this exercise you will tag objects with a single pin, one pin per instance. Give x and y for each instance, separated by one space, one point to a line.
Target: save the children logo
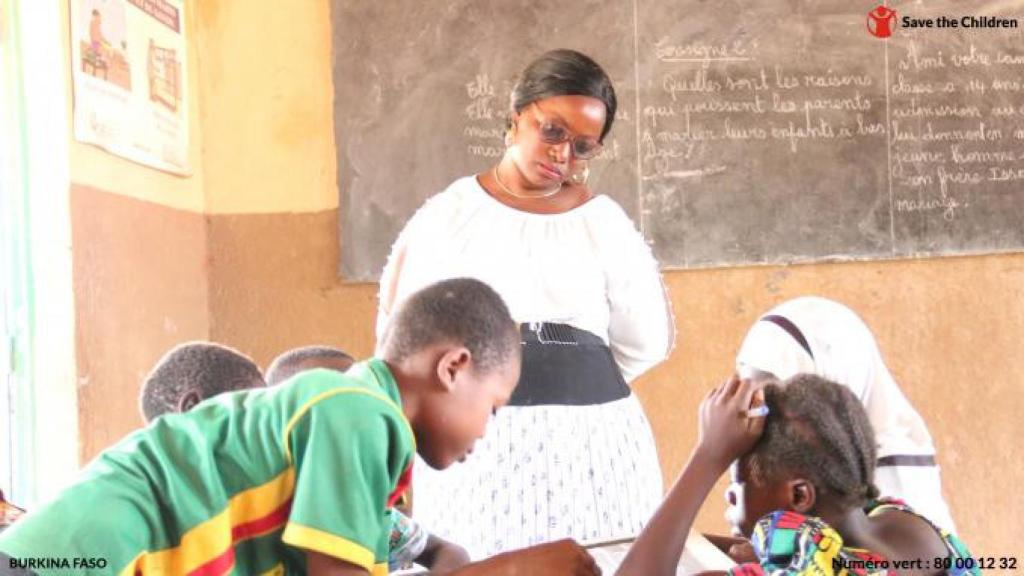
881 21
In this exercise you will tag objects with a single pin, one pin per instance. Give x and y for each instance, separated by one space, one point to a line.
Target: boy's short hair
300 359
206 368
818 430
463 311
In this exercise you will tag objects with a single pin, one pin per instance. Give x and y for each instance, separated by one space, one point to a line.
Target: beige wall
270 139
141 273
139 263
950 328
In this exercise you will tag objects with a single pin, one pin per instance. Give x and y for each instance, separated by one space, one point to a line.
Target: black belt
566 366
906 460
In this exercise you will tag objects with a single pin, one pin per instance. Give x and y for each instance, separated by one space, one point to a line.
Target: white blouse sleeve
391 276
389 287
641 330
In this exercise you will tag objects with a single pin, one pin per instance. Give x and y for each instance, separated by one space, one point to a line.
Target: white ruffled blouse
588 267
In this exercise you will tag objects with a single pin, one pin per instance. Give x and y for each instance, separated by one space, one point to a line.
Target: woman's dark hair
565 73
819 430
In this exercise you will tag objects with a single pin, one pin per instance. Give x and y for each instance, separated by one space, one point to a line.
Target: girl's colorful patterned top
791 543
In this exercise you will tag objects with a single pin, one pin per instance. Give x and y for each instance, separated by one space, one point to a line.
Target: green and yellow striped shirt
239 485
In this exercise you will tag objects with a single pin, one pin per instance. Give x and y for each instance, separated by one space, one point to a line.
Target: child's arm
410 542
739 549
723 543
657 550
725 434
442 556
363 439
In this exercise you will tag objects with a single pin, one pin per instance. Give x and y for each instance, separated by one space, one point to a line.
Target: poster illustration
130 80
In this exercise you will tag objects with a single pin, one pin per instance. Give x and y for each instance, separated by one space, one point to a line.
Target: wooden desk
699 555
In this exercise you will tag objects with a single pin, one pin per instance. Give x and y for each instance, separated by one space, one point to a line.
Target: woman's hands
726 430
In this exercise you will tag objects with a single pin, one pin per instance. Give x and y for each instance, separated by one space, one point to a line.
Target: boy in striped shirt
298 478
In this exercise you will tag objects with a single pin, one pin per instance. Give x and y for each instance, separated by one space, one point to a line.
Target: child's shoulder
768 529
790 542
365 390
361 405
910 535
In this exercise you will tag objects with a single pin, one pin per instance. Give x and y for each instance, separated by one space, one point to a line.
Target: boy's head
306 358
456 354
192 372
816 455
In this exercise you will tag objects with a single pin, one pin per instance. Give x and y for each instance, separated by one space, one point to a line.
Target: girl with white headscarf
819 336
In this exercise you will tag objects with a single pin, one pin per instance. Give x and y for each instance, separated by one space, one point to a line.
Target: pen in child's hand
758 412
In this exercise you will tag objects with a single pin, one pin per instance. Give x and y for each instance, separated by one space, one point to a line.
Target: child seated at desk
290 363
802 458
297 478
192 372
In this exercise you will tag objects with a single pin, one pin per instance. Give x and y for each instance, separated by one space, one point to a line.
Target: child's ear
188 400
802 495
453 361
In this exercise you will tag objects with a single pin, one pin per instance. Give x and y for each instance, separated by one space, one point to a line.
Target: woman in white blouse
573 454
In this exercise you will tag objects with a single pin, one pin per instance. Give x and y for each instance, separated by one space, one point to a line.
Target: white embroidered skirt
542 473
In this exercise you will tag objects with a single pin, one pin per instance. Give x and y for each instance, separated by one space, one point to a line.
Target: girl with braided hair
802 458
821 336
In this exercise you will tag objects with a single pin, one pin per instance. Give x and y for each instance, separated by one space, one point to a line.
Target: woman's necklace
508 191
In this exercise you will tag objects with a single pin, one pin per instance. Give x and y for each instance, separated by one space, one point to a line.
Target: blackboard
748 132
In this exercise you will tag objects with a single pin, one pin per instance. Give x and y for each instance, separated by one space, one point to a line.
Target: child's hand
561 558
442 556
726 431
742 553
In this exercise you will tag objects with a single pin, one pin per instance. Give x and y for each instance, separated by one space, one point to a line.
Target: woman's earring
580 177
510 131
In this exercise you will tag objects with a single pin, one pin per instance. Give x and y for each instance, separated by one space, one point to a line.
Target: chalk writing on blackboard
747 133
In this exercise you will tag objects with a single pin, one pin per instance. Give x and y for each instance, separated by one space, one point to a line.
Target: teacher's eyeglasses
583 147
